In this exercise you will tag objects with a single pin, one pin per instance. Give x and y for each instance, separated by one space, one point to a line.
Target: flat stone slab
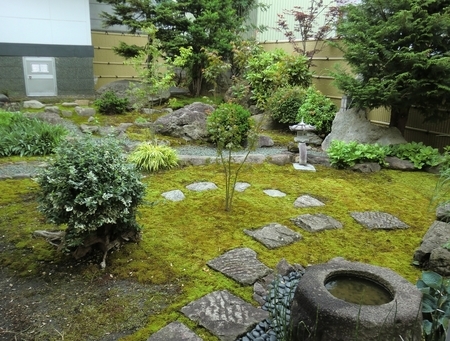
307 201
274 193
175 195
241 265
224 315
378 220
202 186
175 331
316 222
241 186
308 167
274 235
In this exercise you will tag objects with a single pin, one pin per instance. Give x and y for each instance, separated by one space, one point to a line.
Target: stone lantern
301 129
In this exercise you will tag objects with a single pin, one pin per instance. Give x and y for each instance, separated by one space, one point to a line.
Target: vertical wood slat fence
109 67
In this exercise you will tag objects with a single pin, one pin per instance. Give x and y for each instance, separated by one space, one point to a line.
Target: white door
40 76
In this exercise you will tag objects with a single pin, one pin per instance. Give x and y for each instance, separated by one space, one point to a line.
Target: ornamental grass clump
152 157
91 188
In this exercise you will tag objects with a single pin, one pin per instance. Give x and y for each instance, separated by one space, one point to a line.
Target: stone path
228 316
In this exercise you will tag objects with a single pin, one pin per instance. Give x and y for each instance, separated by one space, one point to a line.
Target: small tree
230 126
315 23
398 51
90 187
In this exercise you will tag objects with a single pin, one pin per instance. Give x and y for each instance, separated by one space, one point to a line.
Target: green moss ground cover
180 237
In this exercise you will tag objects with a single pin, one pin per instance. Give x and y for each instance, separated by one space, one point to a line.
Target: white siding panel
45 21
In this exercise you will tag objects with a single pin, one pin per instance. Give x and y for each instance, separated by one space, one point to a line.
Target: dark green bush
317 110
24 136
90 187
344 155
110 104
283 105
417 153
229 125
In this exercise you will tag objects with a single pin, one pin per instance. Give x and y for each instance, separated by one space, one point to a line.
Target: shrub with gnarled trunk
90 187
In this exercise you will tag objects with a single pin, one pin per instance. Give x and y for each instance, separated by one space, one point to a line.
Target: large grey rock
48 117
265 141
316 222
224 315
33 104
366 167
188 123
443 212
430 254
175 331
175 195
378 220
398 164
52 109
352 125
274 235
280 159
86 112
4 98
241 265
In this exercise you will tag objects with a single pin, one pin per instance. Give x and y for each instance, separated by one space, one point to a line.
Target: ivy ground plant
90 187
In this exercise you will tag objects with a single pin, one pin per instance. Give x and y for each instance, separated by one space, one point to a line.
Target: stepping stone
378 220
274 235
307 201
241 186
175 331
202 186
224 315
175 195
316 222
241 265
308 167
274 193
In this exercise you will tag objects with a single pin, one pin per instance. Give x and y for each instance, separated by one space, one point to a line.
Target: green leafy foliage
152 157
90 187
344 155
435 305
25 136
228 126
317 110
110 104
268 71
417 153
399 52
283 105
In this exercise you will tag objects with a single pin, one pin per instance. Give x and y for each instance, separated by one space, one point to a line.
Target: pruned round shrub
90 187
317 110
283 105
110 104
152 157
228 126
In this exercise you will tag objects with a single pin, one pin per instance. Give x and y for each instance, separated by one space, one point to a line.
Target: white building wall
55 22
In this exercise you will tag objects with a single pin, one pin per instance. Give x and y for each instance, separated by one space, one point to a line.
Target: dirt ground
61 304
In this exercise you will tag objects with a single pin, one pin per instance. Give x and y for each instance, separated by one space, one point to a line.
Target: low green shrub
284 104
228 125
110 104
24 136
270 70
435 305
317 110
90 187
416 152
152 157
344 155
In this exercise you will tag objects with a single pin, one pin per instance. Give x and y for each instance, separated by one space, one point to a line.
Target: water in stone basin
357 290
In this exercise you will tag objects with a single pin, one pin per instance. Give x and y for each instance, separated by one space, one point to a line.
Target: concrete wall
47 28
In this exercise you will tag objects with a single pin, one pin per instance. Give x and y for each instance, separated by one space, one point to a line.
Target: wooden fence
109 67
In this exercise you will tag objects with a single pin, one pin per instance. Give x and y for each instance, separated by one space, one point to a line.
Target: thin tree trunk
399 117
